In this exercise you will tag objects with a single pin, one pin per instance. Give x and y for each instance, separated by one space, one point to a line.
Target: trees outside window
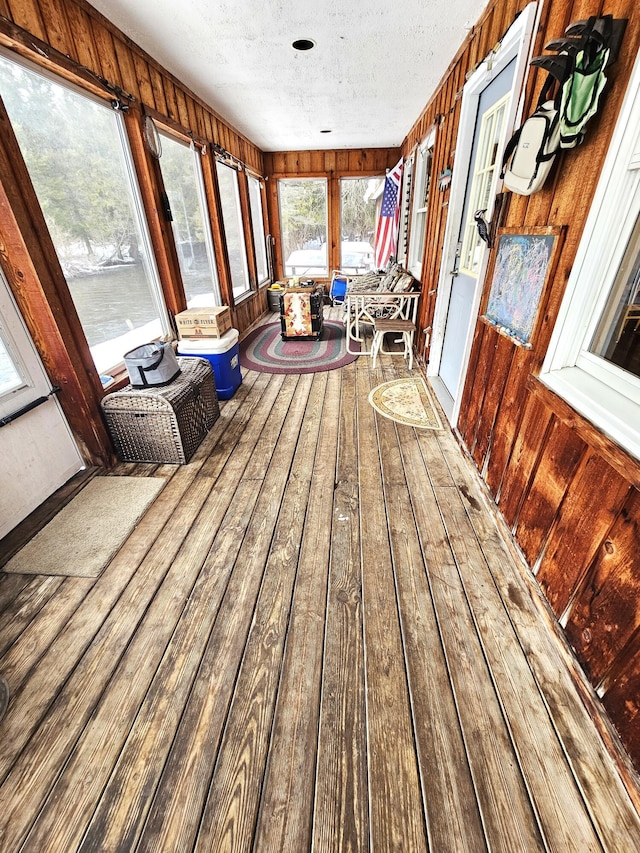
359 199
77 154
303 224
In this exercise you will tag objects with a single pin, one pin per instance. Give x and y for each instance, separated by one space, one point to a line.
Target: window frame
204 207
606 395
328 201
238 211
484 179
341 181
25 385
419 212
404 231
259 231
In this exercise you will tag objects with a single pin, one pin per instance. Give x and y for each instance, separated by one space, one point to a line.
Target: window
257 224
76 150
303 224
10 372
616 338
358 201
482 183
182 176
403 235
594 354
420 202
233 229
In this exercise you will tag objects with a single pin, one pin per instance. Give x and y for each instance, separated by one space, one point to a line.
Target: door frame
517 44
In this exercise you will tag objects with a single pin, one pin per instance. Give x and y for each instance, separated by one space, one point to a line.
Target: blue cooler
224 355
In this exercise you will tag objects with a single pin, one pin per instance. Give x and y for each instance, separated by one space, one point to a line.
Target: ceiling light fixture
303 44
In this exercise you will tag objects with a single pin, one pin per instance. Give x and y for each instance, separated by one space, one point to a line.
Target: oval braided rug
264 350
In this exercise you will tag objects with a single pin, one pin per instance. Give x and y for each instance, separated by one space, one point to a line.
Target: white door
37 451
479 192
489 108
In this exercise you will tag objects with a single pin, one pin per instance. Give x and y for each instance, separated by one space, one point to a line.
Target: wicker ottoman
165 424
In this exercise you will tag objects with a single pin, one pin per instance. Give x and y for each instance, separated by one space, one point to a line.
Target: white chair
403 323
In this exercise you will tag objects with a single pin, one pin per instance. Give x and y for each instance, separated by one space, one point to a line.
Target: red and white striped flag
387 231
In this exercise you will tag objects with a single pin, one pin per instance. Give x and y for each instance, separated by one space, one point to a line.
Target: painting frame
523 265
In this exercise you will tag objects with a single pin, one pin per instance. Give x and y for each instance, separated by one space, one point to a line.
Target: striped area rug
264 350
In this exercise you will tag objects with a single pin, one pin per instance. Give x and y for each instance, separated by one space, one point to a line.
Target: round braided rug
264 350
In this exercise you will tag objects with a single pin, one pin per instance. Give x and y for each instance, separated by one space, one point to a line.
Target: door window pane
76 151
303 223
233 230
9 375
257 223
358 200
617 338
484 180
182 176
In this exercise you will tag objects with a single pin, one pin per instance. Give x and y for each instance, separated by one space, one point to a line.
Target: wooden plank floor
316 639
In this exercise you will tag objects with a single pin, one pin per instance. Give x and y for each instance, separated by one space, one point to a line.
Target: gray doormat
82 539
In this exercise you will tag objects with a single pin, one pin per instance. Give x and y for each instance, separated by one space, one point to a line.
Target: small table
301 315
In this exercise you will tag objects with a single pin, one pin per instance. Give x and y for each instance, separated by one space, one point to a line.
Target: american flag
387 231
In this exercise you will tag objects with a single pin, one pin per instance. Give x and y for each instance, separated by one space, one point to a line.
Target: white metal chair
364 310
402 323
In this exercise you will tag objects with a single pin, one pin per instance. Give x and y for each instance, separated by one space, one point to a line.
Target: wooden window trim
249 247
265 228
212 193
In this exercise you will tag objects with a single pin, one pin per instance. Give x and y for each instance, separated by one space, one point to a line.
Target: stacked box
197 323
164 424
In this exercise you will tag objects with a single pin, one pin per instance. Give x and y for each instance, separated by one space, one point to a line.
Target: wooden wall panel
84 48
622 702
587 516
606 612
501 365
555 468
561 485
507 419
527 448
26 14
58 33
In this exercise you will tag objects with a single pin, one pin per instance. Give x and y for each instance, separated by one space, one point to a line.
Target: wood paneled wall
333 165
571 497
75 41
